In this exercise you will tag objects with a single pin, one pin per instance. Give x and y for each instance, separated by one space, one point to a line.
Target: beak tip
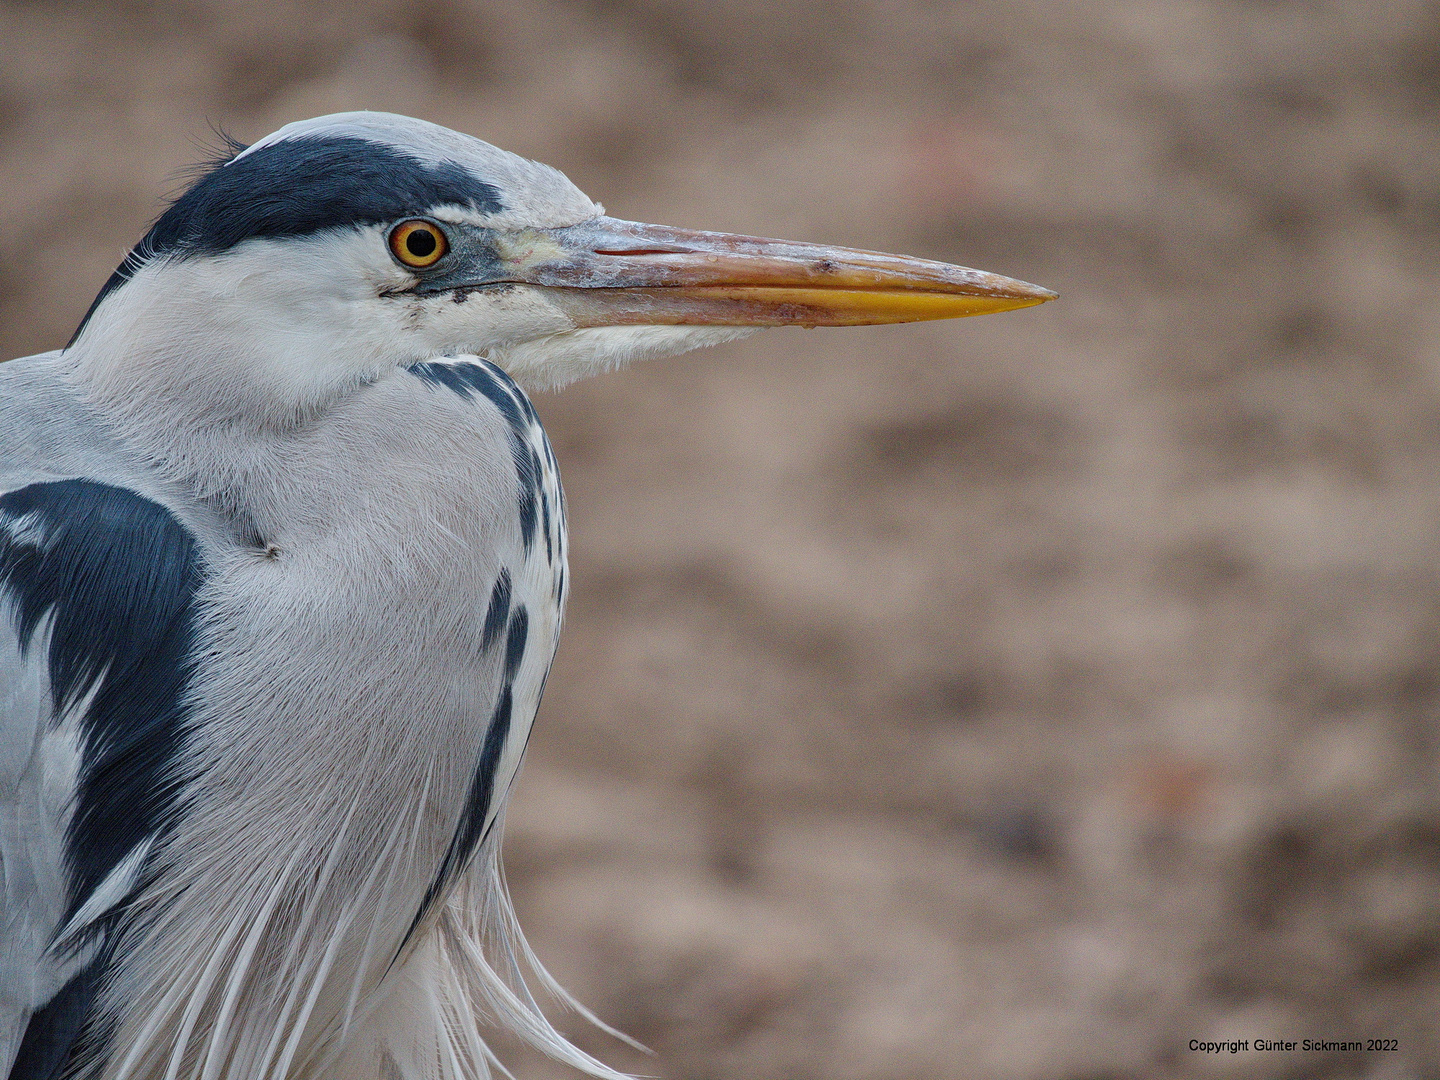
1037 294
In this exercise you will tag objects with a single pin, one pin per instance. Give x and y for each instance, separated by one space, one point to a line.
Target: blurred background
1020 697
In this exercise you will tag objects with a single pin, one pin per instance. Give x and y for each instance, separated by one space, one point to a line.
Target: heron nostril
644 251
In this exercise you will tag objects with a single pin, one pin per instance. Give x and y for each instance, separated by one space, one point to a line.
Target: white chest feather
383 658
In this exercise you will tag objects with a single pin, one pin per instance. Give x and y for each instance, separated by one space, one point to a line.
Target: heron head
341 246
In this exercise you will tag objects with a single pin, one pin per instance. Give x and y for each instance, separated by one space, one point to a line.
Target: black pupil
421 243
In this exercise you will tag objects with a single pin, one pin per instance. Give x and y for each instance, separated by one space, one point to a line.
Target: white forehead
533 194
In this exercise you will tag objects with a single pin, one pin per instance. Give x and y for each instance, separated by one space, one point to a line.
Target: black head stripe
298 187
305 185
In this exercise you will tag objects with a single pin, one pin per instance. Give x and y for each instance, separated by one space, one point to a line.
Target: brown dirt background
1021 697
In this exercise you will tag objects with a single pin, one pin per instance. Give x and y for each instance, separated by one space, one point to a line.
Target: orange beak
607 272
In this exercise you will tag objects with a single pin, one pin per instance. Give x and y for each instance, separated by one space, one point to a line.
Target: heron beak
607 272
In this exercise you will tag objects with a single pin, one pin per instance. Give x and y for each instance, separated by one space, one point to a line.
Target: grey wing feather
96 580
37 777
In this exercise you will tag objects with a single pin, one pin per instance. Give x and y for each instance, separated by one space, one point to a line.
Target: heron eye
418 244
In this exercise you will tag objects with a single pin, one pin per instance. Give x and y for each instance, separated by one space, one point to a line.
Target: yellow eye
418 243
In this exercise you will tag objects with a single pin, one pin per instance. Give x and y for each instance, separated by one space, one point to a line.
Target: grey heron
283 562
